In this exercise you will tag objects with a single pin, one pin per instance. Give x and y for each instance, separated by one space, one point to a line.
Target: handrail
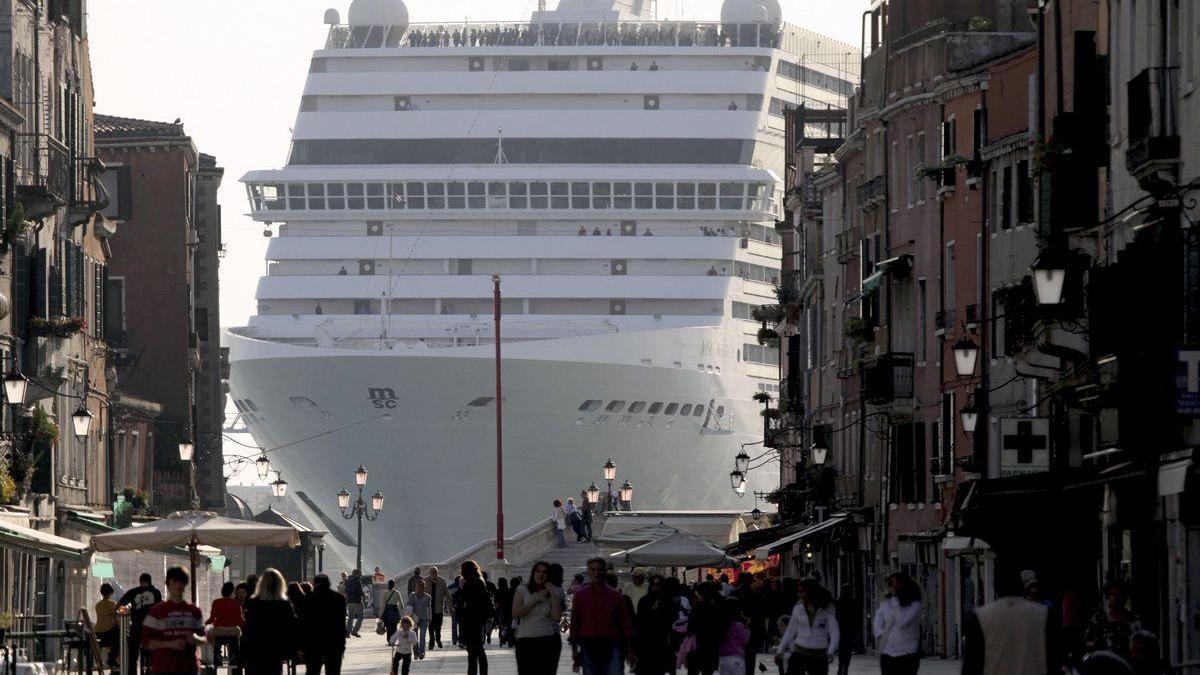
754 34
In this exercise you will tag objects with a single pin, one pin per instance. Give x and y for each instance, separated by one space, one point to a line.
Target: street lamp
15 385
82 421
1049 276
736 478
593 493
970 417
187 452
360 509
741 488
279 487
610 474
819 455
756 515
263 465
742 461
966 353
627 492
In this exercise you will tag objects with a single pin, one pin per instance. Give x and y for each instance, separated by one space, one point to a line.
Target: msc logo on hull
383 398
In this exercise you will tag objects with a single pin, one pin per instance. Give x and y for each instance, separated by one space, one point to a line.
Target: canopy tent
678 549
636 537
763 552
719 528
195 529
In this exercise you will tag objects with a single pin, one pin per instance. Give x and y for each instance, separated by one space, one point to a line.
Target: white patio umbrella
192 529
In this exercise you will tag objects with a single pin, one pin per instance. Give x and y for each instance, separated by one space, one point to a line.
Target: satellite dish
378 13
748 11
332 18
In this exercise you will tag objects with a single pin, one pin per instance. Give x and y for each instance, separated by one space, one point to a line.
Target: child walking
403 642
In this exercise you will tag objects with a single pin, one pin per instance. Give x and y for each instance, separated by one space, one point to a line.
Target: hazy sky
233 71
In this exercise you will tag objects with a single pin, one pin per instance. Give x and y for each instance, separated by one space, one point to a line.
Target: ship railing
766 35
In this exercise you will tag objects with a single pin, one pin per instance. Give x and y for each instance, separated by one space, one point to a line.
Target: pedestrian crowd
652 624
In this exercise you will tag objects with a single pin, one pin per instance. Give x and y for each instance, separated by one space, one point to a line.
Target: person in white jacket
404 641
811 640
897 627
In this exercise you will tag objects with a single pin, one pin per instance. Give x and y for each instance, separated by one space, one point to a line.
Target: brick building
163 317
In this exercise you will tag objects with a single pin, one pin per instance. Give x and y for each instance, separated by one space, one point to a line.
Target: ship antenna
541 5
501 158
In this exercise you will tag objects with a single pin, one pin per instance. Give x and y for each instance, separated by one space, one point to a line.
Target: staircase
573 557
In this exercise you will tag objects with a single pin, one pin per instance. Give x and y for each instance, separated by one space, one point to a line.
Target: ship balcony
1153 121
467 35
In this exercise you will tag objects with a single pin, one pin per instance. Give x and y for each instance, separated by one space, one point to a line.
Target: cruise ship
619 173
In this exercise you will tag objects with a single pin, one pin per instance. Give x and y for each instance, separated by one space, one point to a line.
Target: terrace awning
763 552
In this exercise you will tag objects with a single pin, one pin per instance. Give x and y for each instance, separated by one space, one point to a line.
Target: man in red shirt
600 625
172 630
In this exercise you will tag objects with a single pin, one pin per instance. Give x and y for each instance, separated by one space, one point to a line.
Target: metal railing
44 163
888 377
559 34
871 191
1153 117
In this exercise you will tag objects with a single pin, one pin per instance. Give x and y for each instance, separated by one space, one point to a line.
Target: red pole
499 428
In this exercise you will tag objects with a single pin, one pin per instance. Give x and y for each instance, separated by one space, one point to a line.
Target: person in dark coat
269 636
324 629
654 629
473 607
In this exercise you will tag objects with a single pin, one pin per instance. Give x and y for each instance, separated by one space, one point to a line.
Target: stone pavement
370 655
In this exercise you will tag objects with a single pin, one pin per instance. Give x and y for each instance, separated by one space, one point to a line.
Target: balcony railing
888 377
1153 118
790 289
846 245
558 34
45 172
871 192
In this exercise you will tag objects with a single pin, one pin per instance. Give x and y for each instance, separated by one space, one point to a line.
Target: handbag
380 629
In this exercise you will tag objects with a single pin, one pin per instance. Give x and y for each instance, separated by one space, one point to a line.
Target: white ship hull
433 454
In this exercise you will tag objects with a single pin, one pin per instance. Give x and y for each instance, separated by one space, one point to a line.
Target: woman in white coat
897 627
811 639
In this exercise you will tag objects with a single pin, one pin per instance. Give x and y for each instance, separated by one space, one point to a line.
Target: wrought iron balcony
872 192
887 377
790 289
1153 119
44 177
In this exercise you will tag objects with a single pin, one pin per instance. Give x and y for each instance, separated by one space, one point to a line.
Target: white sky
233 71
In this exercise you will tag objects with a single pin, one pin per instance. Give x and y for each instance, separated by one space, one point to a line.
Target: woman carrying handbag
393 609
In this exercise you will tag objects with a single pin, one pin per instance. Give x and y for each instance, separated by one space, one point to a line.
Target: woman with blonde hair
269 636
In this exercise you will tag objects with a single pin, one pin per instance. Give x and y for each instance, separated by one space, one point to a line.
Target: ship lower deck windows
655 408
685 410
481 402
615 406
671 409
590 406
699 411
637 407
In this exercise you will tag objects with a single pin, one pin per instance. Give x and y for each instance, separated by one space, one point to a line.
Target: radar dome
378 13
746 11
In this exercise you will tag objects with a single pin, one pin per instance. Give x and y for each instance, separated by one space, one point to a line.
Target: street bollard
123 620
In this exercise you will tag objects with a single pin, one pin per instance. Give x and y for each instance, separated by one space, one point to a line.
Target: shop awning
898 266
43 543
762 552
1172 476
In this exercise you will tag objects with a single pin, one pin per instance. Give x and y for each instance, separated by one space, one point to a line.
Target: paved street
370 654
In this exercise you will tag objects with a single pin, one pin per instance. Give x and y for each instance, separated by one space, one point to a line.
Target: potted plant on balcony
857 329
767 313
1051 156
14 228
768 336
771 413
57 326
762 397
42 435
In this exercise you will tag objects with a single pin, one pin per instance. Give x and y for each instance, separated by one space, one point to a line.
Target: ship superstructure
616 171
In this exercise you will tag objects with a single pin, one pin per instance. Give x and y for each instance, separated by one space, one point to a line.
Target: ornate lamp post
593 493
359 509
610 474
187 455
627 493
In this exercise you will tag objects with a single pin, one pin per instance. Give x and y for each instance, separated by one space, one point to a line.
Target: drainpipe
982 439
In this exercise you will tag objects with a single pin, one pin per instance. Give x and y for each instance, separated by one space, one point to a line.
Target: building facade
995 353
163 319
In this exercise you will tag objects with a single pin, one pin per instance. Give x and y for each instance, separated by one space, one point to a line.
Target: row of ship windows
510 195
656 408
